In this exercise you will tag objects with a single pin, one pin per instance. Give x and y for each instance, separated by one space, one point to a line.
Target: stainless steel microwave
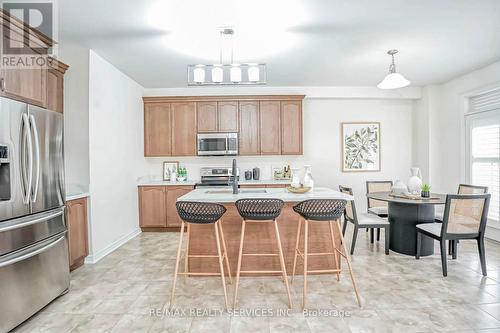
217 144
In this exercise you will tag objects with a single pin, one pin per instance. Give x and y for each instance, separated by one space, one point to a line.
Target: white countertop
74 196
145 181
226 195
159 182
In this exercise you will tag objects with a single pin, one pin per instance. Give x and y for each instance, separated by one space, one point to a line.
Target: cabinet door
249 128
157 129
184 129
152 206
228 116
270 128
291 127
173 193
206 113
27 85
55 93
76 215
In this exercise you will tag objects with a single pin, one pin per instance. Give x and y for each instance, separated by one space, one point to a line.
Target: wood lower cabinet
173 193
249 139
157 129
291 128
76 220
270 128
157 211
152 207
227 116
183 129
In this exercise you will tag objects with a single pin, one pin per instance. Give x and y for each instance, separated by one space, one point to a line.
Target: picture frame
168 168
360 146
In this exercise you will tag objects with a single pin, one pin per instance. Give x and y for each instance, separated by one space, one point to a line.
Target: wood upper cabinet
157 129
270 128
227 116
172 194
76 217
152 209
55 85
184 129
23 84
207 116
291 127
249 139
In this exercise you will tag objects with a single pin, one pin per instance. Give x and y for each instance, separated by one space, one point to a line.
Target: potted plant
426 191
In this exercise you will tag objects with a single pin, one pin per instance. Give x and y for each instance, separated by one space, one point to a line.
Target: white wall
116 155
447 125
76 108
322 118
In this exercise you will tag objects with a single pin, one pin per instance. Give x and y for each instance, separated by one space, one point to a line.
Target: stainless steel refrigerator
34 267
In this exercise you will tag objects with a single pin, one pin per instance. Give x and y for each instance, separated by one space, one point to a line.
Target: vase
415 181
295 178
399 187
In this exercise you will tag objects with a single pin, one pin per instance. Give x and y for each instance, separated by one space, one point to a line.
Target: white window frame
469 116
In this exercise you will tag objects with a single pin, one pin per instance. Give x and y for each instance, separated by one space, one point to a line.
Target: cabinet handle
2 84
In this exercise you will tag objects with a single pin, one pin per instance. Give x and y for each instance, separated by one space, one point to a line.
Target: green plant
426 188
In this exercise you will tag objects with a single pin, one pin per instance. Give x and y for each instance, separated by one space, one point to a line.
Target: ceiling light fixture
393 80
226 74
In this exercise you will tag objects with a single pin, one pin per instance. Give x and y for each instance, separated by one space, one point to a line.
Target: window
483 139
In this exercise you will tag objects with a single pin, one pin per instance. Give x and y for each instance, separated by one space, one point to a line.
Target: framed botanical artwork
360 146
168 168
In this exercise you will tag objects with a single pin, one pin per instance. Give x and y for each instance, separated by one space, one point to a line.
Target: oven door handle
31 252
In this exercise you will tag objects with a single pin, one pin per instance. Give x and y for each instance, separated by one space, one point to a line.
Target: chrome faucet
235 177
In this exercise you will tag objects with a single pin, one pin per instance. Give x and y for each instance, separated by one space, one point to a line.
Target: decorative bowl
302 189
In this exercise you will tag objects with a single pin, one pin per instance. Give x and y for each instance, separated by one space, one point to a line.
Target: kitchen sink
246 191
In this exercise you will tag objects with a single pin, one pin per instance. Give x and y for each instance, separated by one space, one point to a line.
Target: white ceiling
303 42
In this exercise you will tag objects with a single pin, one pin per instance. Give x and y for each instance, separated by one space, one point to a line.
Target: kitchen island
259 237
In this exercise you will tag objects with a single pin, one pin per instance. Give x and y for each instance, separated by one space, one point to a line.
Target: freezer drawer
31 278
22 232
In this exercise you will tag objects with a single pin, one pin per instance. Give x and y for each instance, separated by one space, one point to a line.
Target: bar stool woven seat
199 212
329 211
204 214
259 209
320 209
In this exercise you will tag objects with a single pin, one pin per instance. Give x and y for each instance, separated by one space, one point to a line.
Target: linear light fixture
226 74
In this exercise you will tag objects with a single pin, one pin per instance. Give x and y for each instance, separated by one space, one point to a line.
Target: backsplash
193 164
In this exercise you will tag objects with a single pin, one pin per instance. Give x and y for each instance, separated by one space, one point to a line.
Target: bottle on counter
308 180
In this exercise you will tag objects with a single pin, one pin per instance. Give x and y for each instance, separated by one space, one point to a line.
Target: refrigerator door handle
14 225
37 158
33 252
26 153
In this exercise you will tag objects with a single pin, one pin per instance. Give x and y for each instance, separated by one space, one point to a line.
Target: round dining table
404 214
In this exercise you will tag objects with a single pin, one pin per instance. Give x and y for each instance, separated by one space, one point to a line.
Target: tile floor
399 294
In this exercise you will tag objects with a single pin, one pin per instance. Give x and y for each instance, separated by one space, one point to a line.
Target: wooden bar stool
321 210
260 211
192 212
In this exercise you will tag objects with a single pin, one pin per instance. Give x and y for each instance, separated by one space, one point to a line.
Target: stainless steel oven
217 144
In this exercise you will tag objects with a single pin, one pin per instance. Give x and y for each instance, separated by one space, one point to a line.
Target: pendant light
393 80
199 74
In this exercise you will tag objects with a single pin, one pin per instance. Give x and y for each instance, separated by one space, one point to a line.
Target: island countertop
227 196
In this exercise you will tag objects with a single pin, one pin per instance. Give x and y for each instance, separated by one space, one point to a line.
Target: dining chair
363 220
465 217
377 207
462 189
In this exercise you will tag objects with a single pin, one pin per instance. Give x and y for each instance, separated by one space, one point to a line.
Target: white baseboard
95 257
492 233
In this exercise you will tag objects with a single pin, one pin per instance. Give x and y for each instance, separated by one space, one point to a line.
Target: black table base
403 236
